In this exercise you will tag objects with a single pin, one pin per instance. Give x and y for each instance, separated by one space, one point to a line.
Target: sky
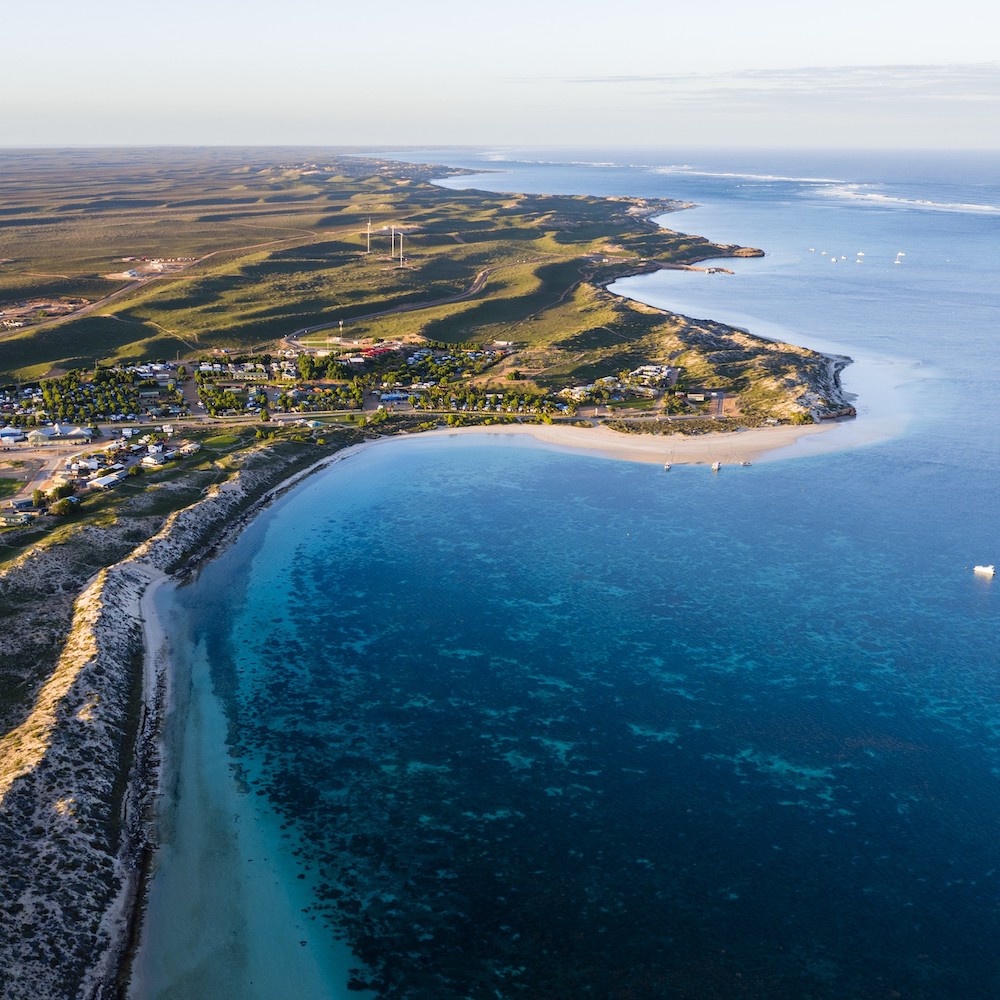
772 73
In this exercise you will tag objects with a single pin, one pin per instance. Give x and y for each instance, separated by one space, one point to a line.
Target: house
106 482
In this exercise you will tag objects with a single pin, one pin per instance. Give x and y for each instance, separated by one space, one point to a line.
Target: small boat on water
716 466
666 466
744 462
984 570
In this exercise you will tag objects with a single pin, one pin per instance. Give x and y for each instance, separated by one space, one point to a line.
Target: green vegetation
221 442
232 250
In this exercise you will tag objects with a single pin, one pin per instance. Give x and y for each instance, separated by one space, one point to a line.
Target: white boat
984 570
716 466
666 466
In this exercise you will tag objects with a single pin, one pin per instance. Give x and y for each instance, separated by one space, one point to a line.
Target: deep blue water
544 725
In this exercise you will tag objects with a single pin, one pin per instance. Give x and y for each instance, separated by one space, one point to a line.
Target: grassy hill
277 241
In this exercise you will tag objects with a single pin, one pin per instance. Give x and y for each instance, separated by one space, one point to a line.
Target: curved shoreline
107 647
727 447
755 444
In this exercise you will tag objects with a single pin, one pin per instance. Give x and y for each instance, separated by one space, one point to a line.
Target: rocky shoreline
822 393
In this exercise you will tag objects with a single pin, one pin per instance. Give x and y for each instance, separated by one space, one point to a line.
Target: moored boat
984 570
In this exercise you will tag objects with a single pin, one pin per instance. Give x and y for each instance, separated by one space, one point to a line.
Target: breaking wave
865 193
695 172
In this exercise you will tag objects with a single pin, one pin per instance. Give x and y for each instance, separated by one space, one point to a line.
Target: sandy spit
749 445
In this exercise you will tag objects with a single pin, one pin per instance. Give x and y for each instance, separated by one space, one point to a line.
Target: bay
535 724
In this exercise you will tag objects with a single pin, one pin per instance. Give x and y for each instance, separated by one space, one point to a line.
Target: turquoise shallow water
535 724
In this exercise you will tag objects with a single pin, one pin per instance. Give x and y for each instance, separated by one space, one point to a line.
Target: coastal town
70 436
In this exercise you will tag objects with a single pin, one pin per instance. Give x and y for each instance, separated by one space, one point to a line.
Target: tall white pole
400 249
369 250
392 237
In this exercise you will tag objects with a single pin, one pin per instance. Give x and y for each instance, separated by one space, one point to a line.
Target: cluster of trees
22 419
311 368
473 398
674 404
391 369
336 397
218 401
446 367
110 392
59 500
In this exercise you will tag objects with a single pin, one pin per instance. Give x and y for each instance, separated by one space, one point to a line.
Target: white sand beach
749 445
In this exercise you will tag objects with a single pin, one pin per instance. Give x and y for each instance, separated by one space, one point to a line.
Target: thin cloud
974 83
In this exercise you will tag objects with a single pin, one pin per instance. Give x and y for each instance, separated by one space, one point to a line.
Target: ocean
469 717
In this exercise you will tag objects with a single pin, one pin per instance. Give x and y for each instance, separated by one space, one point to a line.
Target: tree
306 366
37 498
336 369
62 507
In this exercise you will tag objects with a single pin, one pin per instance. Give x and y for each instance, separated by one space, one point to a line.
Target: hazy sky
727 72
